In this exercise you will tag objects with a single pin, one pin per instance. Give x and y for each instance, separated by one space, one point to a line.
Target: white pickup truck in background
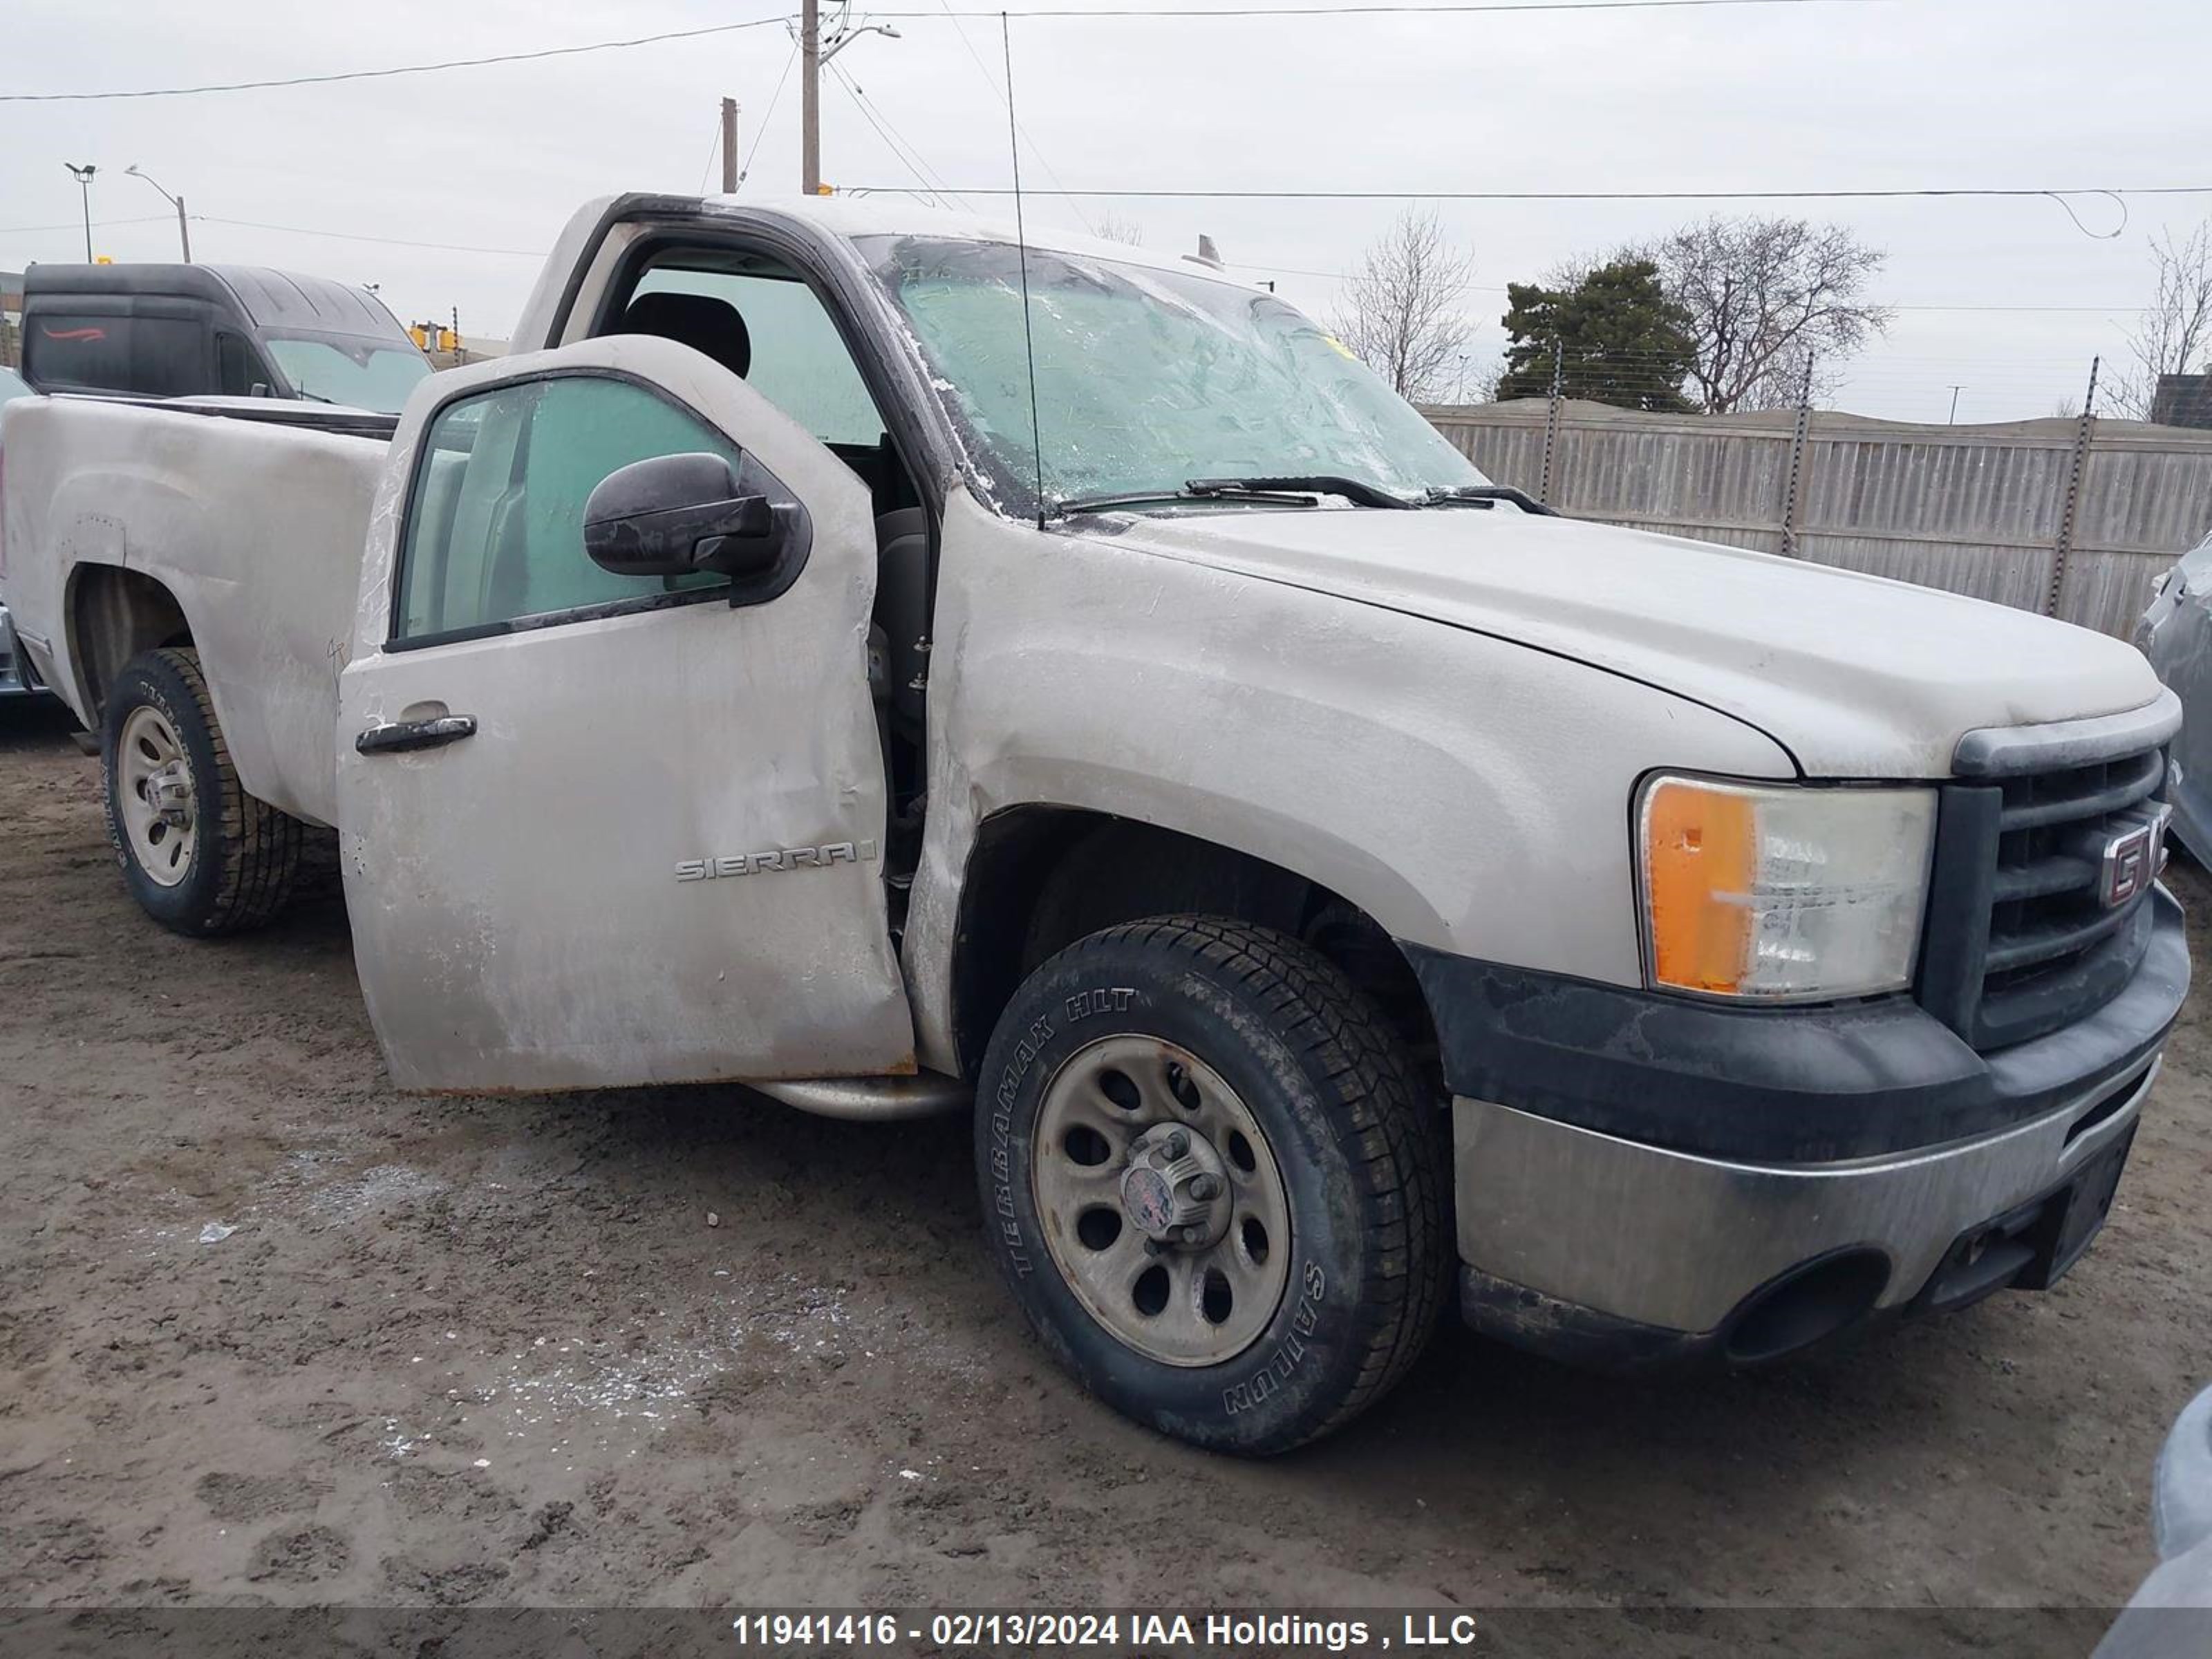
1302 856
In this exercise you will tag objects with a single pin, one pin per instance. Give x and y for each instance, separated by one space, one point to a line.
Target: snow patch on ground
642 1378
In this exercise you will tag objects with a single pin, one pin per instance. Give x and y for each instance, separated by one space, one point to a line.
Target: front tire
200 855
1213 1181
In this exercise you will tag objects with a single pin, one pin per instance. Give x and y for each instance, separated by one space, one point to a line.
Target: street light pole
84 176
184 231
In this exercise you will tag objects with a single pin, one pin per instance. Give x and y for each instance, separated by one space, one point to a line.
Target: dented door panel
656 857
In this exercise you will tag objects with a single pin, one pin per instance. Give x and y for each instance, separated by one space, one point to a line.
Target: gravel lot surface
461 1351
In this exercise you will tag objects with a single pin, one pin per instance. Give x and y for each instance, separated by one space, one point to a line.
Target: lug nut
1176 1144
1192 1235
1206 1187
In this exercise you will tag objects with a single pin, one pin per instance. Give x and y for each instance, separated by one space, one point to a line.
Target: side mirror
671 515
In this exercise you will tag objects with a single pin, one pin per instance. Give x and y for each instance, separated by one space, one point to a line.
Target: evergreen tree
1621 340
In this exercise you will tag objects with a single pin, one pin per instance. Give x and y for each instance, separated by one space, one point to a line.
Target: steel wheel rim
156 797
1161 1301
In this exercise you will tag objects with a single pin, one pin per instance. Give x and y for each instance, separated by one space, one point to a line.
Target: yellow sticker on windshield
1342 349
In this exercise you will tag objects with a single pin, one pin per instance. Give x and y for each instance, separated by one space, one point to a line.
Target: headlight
1782 894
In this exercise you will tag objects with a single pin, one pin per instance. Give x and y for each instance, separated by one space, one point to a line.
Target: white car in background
2170 1615
2175 634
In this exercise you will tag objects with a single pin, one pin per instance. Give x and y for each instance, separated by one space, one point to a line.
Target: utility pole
809 98
83 174
729 147
184 230
1954 419
814 55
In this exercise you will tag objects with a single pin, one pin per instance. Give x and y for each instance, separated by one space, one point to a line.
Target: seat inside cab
759 319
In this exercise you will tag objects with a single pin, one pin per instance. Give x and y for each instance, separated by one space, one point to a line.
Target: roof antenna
1021 249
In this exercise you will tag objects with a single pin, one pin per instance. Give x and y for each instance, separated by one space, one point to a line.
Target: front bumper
1788 1214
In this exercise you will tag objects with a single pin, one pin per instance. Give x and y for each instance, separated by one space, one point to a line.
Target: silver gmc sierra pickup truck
851 652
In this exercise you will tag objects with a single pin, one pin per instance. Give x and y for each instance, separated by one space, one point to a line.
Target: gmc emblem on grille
2133 859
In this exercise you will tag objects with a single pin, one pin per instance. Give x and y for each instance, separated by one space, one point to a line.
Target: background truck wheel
1213 1183
199 854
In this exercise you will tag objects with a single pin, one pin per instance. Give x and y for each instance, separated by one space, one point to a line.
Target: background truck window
238 371
800 363
359 375
154 356
495 530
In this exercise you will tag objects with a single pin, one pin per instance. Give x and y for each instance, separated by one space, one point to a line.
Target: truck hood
1856 676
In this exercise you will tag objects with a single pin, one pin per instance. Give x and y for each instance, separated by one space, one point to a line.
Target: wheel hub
1160 1200
151 788
169 793
1174 1190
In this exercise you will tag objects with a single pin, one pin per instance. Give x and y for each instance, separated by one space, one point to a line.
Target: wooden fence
2077 518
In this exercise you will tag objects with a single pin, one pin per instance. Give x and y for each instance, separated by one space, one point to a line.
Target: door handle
401 735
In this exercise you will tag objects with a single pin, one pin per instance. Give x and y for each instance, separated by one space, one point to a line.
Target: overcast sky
1895 93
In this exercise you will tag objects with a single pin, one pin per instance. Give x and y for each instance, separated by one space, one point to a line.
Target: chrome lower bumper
1675 1242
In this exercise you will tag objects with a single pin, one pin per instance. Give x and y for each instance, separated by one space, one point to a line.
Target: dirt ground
491 1350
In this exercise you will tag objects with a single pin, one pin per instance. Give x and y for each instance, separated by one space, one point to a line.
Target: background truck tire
1107 1052
220 862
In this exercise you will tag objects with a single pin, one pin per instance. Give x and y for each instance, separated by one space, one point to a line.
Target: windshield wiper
1483 494
1358 490
1149 497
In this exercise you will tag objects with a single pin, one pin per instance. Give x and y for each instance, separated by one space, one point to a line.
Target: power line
382 73
97 224
1412 8
901 146
1244 264
1005 97
386 241
1490 287
774 98
1578 195
707 168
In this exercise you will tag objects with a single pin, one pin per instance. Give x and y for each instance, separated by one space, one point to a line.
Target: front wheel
199 854
1213 1183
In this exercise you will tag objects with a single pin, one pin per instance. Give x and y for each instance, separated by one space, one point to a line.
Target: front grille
2020 942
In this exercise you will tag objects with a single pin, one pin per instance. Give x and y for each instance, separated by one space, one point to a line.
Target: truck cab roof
263 297
174 331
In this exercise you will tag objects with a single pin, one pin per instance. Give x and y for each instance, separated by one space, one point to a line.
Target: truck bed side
251 529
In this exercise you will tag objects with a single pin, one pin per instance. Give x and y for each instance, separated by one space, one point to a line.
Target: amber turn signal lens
1700 849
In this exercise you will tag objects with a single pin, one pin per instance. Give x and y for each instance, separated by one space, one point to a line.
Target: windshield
361 374
1145 379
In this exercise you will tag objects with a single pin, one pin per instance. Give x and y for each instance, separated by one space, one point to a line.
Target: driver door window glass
800 362
496 529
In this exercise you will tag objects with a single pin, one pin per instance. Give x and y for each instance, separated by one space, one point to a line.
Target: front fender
1469 793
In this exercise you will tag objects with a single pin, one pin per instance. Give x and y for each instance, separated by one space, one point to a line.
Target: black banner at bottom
1512 1633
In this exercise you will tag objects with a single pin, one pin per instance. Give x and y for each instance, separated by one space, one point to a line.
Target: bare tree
2175 329
1400 311
1113 227
1762 295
